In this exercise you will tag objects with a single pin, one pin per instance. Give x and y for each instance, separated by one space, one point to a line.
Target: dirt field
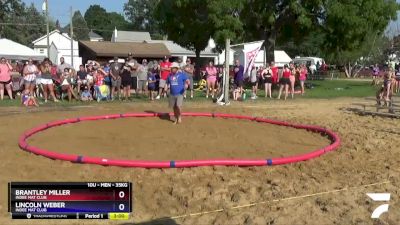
327 190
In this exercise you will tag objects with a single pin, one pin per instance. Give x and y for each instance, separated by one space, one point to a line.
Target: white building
95 37
60 46
16 51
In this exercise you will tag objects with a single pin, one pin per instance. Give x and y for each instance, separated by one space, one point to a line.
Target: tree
81 30
58 26
140 14
102 22
21 23
272 20
363 24
225 20
186 23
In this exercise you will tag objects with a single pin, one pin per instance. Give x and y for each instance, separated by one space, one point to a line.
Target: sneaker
45 101
158 97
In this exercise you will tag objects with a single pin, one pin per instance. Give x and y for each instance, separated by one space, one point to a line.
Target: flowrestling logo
379 197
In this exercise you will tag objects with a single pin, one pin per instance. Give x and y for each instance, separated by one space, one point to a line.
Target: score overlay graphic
70 200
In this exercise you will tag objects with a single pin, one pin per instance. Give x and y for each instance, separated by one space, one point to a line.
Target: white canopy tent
15 51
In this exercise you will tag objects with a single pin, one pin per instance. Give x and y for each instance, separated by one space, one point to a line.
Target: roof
130 36
14 50
177 50
93 35
51 33
139 50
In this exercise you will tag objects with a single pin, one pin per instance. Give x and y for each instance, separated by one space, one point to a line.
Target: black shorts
268 80
239 83
134 83
126 82
284 81
151 88
254 84
5 82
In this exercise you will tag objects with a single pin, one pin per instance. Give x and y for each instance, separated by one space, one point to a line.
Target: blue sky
60 9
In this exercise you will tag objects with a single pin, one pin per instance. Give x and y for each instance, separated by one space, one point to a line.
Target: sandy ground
327 190
160 139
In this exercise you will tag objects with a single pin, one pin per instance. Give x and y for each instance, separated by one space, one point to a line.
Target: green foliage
103 22
81 30
349 24
225 20
24 23
185 22
140 14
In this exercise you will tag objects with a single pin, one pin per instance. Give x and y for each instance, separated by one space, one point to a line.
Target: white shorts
162 83
89 78
82 81
38 80
46 81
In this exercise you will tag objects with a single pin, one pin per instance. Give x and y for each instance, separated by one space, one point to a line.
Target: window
41 51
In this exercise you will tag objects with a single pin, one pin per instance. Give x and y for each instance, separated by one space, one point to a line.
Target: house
15 51
61 48
174 49
94 36
129 36
103 51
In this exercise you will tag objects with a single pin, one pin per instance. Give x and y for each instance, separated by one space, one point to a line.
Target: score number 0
121 195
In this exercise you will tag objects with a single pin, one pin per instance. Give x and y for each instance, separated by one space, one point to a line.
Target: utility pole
47 28
71 30
226 78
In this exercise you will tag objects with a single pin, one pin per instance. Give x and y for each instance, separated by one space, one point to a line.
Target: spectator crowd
119 79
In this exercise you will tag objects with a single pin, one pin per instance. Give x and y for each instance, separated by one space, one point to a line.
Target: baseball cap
174 65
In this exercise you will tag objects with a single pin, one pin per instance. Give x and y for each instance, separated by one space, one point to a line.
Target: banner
250 59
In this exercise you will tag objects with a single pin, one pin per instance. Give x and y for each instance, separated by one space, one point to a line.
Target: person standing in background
189 70
115 79
164 73
47 80
126 80
285 81
5 78
302 77
142 76
267 77
275 73
30 72
253 81
62 66
211 78
238 76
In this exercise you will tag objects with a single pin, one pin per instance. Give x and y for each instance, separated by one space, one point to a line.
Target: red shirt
165 73
286 73
99 79
274 74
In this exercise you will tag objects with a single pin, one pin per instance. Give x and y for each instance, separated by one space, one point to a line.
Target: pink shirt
303 74
211 71
5 73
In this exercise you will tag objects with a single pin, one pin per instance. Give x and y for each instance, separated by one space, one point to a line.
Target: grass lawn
340 88
327 89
